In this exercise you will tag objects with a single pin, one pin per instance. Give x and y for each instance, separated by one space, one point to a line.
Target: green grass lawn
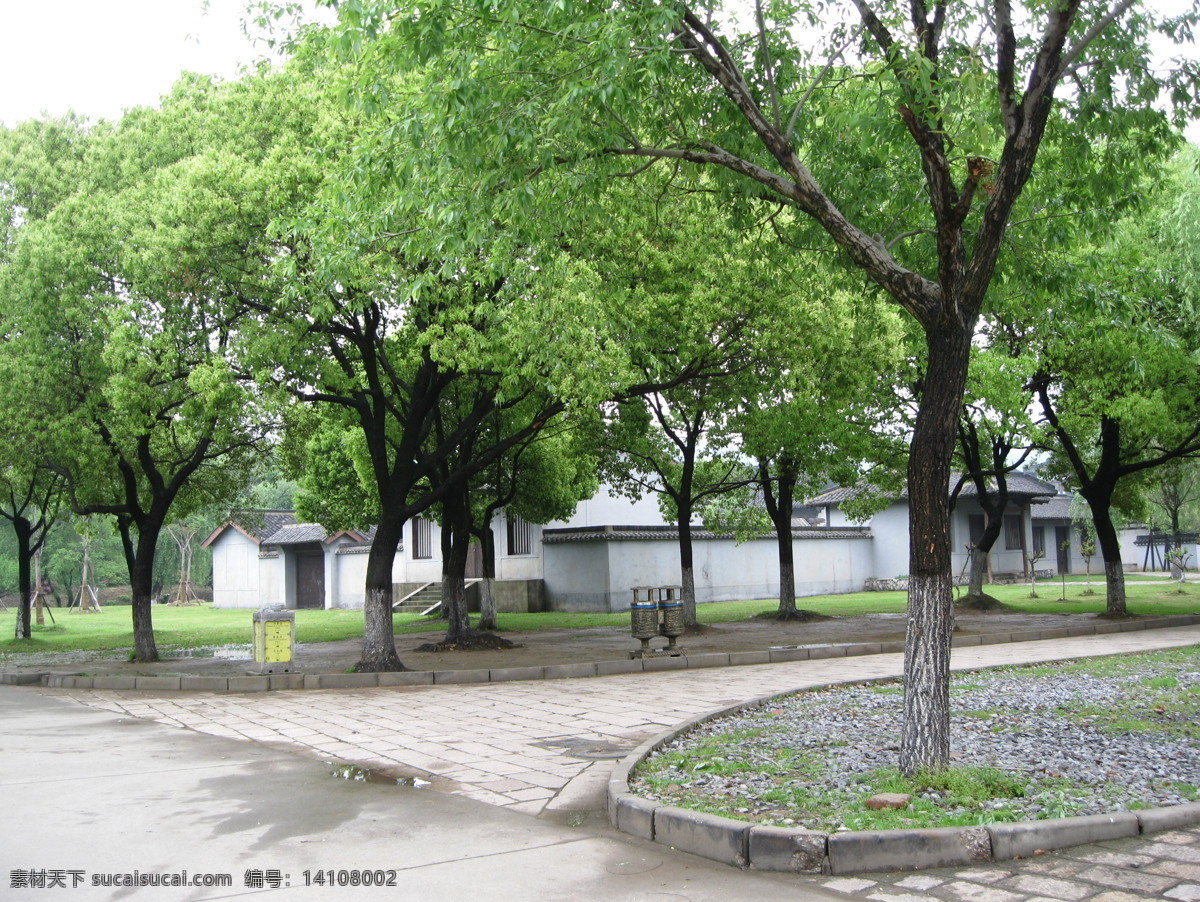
199 626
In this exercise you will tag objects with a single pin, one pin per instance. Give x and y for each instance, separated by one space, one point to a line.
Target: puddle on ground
358 774
590 749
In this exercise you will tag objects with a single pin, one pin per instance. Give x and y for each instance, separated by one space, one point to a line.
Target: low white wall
576 578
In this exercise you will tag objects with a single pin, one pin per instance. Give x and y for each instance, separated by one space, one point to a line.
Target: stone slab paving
1165 866
544 746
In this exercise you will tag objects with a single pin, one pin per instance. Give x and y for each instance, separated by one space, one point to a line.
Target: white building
592 561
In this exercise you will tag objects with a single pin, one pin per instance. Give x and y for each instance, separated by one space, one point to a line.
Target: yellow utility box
274 640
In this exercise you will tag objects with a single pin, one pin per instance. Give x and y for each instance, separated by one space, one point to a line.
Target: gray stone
1152 820
459 676
1022 839
569 671
863 648
252 684
707 835
965 891
740 658
819 652
996 638
651 665
204 683
403 678
156 682
784 655
710 659
607 668
1050 887
787 849
907 850
1185 892
635 816
112 682
920 881
348 680
1126 878
286 681
508 674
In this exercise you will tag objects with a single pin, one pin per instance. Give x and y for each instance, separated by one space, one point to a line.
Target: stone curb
799 850
275 682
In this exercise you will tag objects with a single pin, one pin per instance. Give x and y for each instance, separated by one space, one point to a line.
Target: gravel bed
1046 729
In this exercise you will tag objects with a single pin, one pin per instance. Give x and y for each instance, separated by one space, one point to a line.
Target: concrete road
90 798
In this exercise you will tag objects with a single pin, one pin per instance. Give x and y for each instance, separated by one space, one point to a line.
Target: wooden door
310 580
1062 542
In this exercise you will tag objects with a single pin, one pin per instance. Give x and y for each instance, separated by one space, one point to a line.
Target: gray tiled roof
296 534
1057 508
261 523
1019 485
671 534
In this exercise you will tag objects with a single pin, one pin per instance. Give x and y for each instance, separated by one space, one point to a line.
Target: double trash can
656 611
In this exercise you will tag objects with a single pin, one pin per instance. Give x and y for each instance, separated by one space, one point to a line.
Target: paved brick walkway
548 746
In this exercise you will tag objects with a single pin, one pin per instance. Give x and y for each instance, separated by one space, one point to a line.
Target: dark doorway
1062 541
310 580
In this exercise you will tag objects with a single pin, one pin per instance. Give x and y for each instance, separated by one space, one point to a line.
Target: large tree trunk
925 739
454 569
781 515
141 588
487 595
687 577
1110 551
24 531
379 637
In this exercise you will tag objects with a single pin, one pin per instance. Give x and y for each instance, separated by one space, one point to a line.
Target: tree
125 292
820 411
569 88
1116 378
993 427
539 481
30 503
1174 497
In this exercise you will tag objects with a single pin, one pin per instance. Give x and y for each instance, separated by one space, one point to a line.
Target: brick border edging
802 851
280 681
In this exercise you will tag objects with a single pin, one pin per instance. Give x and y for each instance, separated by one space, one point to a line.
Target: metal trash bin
274 640
672 619
643 616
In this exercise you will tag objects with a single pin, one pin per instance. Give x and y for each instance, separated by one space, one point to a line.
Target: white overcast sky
99 57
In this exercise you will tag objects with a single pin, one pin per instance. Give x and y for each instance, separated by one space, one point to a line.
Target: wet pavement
545 748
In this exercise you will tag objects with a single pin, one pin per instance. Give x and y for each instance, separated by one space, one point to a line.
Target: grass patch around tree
767 767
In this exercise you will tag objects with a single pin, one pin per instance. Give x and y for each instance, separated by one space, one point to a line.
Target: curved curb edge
803 851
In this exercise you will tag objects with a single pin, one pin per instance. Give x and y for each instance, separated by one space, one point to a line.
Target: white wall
599 574
235 571
350 579
607 509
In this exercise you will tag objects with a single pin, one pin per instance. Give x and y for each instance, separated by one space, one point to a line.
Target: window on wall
1039 540
1012 532
422 538
519 541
